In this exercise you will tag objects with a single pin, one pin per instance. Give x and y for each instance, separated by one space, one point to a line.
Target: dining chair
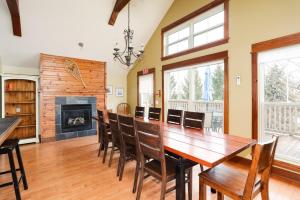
116 137
174 116
154 113
193 119
123 109
103 132
153 160
128 145
236 185
139 111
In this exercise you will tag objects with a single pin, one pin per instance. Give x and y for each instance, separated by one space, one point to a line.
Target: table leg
180 180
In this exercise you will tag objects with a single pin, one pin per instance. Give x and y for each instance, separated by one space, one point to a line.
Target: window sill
195 49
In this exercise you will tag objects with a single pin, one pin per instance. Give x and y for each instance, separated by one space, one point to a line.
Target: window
279 100
204 28
198 88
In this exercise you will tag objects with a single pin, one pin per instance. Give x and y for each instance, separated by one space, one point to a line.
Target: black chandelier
128 56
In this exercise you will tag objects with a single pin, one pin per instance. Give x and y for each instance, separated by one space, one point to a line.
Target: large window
279 100
198 88
205 28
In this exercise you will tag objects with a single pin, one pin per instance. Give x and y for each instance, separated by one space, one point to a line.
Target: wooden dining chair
104 133
123 109
128 145
154 113
153 160
139 112
174 116
228 181
193 119
116 137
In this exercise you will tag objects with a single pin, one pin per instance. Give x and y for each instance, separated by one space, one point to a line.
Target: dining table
7 126
197 146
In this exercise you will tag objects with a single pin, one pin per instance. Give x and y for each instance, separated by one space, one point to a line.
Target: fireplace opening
76 117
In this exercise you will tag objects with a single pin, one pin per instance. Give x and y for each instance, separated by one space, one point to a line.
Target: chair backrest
123 109
174 116
100 116
261 164
139 111
150 141
114 128
154 113
193 119
126 126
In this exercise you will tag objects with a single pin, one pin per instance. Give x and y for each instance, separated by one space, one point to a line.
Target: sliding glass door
146 91
198 88
279 100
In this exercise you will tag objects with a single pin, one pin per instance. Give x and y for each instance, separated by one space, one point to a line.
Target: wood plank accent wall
56 81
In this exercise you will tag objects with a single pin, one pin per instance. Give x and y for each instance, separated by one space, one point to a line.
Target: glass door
146 91
198 88
279 100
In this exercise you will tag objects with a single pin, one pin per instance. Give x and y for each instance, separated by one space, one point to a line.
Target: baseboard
49 139
288 175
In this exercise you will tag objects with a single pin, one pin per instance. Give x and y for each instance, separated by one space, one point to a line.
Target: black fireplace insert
76 117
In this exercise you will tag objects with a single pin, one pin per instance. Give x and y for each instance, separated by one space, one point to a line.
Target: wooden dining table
198 146
7 126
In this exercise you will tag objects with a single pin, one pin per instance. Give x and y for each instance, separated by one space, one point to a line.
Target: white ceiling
56 27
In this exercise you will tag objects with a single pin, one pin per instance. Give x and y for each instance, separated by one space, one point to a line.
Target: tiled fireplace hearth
73 117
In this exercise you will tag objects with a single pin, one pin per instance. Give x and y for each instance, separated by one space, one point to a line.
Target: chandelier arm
126 45
121 60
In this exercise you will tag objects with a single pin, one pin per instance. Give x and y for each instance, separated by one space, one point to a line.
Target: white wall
56 26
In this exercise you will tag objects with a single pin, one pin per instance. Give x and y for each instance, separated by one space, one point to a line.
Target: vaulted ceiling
57 26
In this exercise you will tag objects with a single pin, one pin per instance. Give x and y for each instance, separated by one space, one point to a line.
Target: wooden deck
71 170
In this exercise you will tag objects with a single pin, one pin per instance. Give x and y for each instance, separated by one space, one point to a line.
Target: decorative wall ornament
119 92
73 69
109 89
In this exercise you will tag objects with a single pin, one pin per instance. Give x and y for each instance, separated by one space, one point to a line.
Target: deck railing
213 111
282 118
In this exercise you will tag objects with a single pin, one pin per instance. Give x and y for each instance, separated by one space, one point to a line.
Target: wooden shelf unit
20 99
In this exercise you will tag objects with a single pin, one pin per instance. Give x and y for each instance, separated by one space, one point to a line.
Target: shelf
19 114
20 91
26 126
24 102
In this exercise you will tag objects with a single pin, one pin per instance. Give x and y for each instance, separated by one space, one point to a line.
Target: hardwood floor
70 169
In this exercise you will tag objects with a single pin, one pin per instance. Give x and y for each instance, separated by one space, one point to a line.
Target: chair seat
231 180
153 167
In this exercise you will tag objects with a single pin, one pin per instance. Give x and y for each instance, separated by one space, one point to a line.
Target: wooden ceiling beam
119 5
13 6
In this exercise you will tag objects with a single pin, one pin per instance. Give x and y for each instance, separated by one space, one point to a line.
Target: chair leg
220 196
140 186
105 152
111 154
23 175
265 191
136 176
122 166
190 184
100 148
163 188
202 190
119 163
14 175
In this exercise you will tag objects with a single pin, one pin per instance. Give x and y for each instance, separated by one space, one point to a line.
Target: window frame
257 48
189 21
200 60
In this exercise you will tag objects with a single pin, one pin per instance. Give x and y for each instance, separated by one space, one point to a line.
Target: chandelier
128 56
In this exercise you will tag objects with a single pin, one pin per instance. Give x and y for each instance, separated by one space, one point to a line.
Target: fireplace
76 117
73 117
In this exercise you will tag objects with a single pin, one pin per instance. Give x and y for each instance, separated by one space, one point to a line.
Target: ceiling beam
119 5
13 6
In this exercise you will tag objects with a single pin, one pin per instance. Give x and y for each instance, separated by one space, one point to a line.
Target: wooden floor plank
71 170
